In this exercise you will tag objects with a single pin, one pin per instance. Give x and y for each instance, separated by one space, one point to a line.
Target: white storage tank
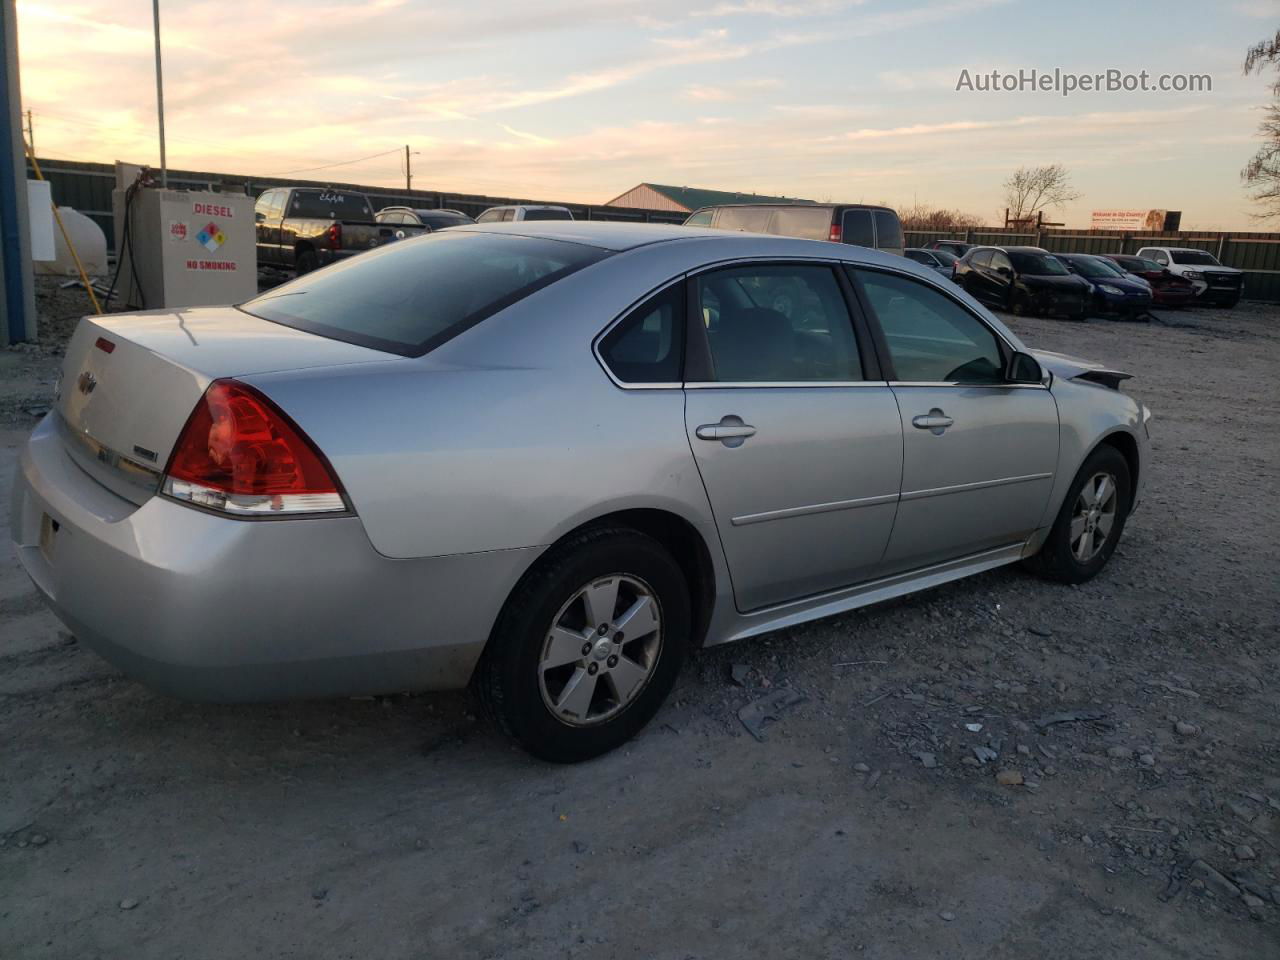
90 243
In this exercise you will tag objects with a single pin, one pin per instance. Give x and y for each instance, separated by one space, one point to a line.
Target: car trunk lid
130 381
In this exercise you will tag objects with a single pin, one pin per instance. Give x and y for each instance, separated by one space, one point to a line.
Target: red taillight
335 236
239 453
834 235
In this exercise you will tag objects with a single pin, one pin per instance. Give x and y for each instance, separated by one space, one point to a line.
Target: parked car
1113 292
866 226
302 228
1211 281
432 218
943 261
1167 290
957 247
231 504
524 211
1023 280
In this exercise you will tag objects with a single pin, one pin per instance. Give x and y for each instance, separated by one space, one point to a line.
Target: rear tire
566 703
306 261
1084 537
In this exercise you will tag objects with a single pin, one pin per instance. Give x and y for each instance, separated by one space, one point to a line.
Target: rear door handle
730 431
935 421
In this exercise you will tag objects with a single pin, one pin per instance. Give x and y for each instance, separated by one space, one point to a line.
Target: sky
846 100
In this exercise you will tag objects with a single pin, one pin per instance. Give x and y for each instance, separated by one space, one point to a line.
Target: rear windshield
1088 267
412 296
1038 264
441 220
329 204
888 231
548 215
1194 258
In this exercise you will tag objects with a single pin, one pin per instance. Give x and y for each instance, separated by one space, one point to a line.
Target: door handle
730 431
935 421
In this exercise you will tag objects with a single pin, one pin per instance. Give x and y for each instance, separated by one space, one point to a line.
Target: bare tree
921 216
1032 189
1262 173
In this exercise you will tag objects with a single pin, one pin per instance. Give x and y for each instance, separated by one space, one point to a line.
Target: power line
329 166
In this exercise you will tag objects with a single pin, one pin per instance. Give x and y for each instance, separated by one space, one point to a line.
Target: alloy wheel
601 650
1094 516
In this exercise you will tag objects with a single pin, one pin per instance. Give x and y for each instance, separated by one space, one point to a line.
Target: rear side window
754 220
982 258
857 228
777 323
811 224
548 215
931 338
410 297
329 204
648 346
888 230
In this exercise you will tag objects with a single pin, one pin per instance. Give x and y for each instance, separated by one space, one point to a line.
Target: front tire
1092 517
588 645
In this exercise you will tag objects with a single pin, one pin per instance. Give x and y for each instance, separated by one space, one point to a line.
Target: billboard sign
1135 219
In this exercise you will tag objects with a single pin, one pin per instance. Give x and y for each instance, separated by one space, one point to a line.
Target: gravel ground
875 818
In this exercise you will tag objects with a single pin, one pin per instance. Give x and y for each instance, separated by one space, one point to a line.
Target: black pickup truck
302 228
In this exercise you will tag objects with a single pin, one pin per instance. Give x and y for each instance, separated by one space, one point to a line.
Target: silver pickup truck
302 228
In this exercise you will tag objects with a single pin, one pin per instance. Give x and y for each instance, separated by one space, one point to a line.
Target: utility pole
408 171
164 168
31 133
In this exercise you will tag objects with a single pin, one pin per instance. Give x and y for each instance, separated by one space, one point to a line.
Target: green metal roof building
660 196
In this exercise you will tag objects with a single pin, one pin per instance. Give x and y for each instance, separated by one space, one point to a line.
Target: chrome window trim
780 384
959 383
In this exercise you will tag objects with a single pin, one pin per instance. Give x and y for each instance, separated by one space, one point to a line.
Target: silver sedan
550 460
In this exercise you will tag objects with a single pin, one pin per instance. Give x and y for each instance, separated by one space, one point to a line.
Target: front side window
999 260
410 297
777 323
700 219
489 216
931 338
982 258
648 345
1160 257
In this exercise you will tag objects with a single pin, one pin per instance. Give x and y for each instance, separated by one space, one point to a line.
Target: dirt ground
135 826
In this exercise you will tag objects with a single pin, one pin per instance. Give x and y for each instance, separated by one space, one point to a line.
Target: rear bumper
208 608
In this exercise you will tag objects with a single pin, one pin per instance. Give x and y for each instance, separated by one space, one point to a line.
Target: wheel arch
676 534
1124 442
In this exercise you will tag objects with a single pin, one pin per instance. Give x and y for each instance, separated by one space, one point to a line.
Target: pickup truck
302 228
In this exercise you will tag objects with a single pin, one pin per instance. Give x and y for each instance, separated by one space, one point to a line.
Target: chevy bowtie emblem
87 382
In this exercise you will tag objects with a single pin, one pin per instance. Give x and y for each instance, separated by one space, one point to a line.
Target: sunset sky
579 101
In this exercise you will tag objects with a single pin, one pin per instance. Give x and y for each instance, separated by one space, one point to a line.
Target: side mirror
1004 271
1024 368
